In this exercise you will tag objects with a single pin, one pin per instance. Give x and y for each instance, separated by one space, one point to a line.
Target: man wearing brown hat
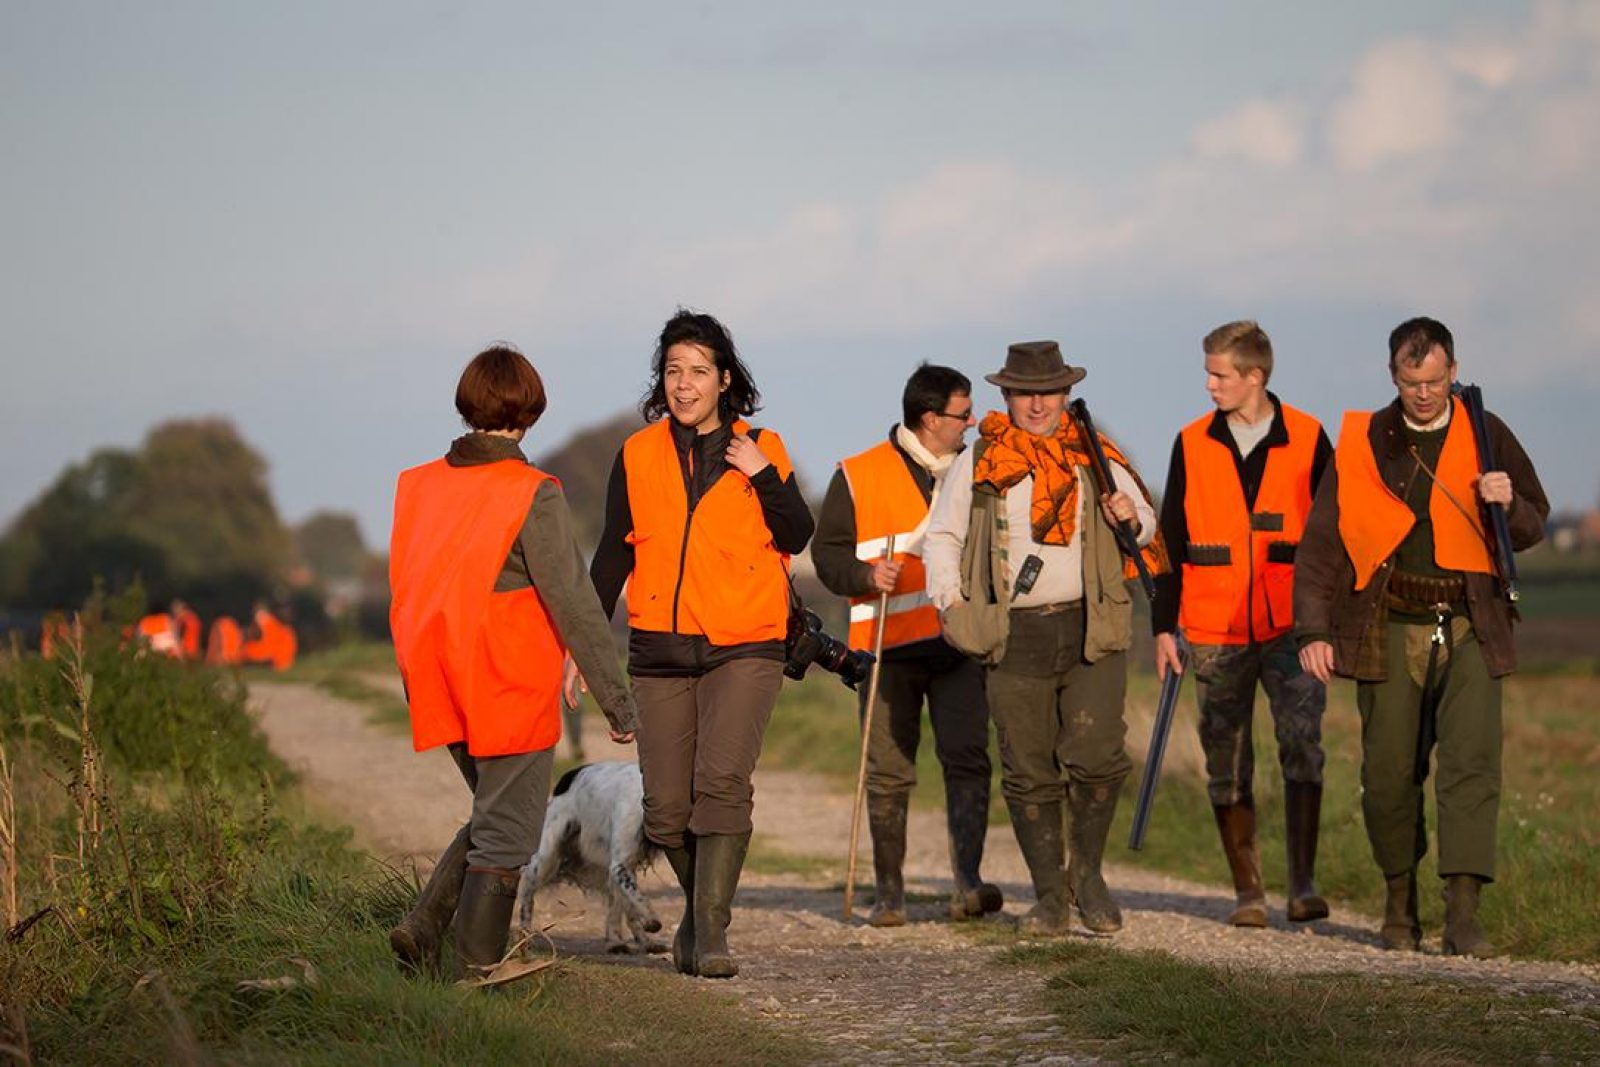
1025 570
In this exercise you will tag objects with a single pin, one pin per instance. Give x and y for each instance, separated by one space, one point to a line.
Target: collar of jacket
1277 434
474 449
1386 431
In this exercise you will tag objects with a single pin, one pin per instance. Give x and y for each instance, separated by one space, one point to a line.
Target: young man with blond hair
1239 489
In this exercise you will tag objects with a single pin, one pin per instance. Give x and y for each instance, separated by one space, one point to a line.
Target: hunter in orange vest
702 514
488 591
273 642
187 623
157 633
1239 490
1396 586
225 643
888 490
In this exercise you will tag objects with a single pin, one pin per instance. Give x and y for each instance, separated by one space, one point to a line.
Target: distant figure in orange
157 633
188 627
55 630
273 640
225 645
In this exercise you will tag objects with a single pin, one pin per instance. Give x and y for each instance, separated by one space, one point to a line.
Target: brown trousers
698 740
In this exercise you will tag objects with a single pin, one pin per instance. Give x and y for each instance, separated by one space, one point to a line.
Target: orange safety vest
713 571
888 501
188 624
275 645
157 632
1238 580
479 666
1373 521
225 645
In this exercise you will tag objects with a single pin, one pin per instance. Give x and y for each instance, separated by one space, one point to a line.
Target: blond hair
1246 342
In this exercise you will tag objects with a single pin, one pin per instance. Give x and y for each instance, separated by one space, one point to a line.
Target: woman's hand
572 682
745 456
622 738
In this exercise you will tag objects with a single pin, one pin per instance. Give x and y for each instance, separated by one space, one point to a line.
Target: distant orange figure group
177 634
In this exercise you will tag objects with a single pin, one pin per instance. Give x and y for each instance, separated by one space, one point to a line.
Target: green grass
1146 1005
345 671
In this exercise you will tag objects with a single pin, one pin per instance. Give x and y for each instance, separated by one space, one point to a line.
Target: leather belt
1051 609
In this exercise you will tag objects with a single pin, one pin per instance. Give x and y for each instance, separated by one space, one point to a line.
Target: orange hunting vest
225 646
888 501
276 644
157 631
1373 521
714 571
188 624
1238 581
479 666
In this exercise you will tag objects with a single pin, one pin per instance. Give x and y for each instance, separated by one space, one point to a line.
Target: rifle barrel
1166 710
1127 536
1472 400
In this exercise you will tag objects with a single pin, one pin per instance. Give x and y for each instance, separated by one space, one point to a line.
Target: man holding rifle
1024 566
1239 488
1399 587
882 492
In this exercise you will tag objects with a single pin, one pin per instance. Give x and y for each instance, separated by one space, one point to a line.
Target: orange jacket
189 628
479 666
157 632
1238 580
888 501
713 571
225 644
276 643
1373 521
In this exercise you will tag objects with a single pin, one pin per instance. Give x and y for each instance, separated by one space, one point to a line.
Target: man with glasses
1025 569
1396 587
887 491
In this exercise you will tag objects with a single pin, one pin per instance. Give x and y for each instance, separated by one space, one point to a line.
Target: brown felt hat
1036 366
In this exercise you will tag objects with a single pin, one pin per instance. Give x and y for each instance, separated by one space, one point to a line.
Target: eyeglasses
963 416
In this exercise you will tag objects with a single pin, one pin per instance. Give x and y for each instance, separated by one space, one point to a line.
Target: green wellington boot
417 938
718 859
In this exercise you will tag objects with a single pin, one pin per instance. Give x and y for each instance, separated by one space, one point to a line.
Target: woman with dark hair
489 599
702 514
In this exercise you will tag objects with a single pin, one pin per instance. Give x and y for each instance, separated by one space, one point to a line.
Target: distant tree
330 544
189 513
583 464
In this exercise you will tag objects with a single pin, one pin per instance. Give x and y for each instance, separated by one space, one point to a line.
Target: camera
808 643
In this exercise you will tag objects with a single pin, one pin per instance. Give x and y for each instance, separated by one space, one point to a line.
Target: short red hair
500 390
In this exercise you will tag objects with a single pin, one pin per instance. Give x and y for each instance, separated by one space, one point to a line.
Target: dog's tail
566 779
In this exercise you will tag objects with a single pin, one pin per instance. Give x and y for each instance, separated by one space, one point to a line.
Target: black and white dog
594 838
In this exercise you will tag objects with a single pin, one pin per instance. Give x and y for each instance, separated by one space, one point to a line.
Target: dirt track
919 994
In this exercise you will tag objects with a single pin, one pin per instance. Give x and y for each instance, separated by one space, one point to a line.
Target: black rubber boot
1462 934
1038 830
1302 809
967 817
1092 809
417 938
718 859
1236 823
1402 928
483 917
886 821
682 861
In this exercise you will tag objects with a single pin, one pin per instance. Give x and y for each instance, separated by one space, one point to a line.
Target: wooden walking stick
866 735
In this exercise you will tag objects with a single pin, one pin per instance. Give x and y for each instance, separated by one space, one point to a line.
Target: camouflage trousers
1225 683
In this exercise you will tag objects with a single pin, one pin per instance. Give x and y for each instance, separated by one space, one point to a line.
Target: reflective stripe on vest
1373 521
479 666
888 501
1238 587
715 571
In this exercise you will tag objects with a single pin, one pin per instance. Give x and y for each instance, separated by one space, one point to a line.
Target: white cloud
1267 132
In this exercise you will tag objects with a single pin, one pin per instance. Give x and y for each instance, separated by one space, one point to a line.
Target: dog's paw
652 925
655 946
619 948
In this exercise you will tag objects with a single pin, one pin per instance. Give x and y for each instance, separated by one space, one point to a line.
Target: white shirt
1062 577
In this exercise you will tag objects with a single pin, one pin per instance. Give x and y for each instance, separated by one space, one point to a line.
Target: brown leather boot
417 938
1302 809
1236 823
1093 808
886 822
1038 830
718 859
483 918
682 861
1462 934
1402 929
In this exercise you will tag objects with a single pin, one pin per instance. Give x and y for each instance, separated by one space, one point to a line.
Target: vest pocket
1209 555
1281 551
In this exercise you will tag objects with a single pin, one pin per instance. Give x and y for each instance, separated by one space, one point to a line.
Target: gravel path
920 994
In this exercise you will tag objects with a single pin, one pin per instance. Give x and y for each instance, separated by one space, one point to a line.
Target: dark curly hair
740 400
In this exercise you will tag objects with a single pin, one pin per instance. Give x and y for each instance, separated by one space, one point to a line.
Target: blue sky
307 217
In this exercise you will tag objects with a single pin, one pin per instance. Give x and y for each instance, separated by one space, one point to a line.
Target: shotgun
1166 708
1472 399
1127 536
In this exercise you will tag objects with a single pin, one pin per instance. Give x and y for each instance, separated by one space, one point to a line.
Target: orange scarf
1013 454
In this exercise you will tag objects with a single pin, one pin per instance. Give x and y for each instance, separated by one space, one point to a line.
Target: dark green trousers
1058 719
1466 778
